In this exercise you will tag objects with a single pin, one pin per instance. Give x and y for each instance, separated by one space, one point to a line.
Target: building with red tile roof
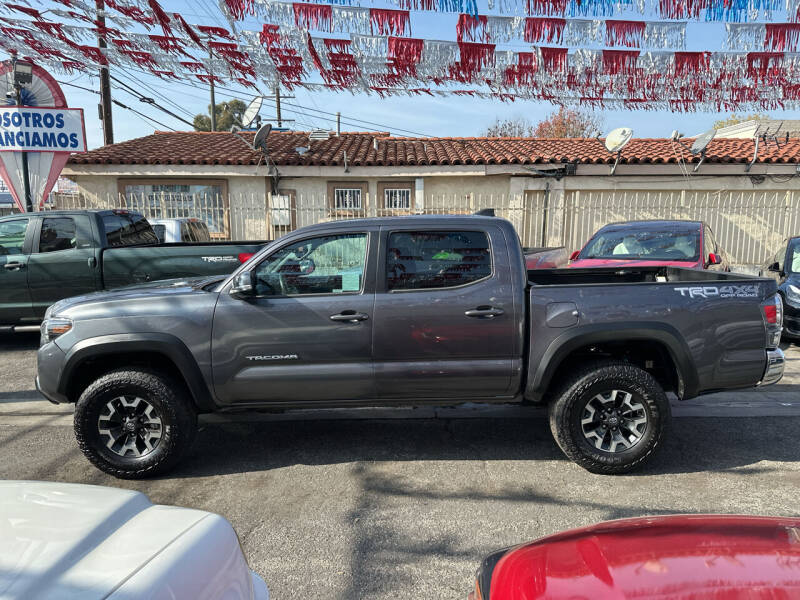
558 191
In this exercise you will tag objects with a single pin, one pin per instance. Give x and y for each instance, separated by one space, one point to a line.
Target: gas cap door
562 314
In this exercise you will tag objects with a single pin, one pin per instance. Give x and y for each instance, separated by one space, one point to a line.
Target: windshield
644 245
793 262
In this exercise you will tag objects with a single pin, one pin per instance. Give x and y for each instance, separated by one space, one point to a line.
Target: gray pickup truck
47 256
406 311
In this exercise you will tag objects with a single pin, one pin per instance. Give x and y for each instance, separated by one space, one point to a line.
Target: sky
441 117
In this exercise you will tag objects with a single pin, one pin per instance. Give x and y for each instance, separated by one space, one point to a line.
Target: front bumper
775 365
49 364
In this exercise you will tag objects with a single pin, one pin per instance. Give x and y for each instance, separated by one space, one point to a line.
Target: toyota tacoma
406 311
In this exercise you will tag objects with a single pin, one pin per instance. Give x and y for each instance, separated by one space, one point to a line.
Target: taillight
771 314
772 310
245 256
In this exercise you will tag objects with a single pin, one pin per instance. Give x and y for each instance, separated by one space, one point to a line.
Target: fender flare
152 342
669 337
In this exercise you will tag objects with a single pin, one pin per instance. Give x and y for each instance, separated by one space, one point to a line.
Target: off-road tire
171 402
566 410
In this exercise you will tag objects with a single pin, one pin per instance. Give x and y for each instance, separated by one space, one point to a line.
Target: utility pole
105 84
277 97
338 123
211 81
278 104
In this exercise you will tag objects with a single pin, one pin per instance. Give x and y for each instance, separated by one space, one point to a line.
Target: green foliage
227 113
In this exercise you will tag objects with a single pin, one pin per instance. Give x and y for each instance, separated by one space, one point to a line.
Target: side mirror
243 285
574 255
714 259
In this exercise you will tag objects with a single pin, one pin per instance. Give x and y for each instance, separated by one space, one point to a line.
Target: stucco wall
750 213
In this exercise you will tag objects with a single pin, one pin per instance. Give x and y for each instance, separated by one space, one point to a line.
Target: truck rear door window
436 259
61 233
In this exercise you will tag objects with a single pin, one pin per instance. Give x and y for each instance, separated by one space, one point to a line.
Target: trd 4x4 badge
725 291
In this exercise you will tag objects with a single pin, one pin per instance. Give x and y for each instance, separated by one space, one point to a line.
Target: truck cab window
436 259
59 233
331 264
12 236
128 230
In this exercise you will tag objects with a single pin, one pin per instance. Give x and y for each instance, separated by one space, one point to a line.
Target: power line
135 79
120 104
150 101
352 121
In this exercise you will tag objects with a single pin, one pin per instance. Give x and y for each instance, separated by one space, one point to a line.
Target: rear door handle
350 316
14 266
484 312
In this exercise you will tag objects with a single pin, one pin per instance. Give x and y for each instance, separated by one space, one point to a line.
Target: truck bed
606 276
710 321
137 264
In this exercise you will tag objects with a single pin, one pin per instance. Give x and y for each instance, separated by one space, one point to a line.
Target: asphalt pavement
403 503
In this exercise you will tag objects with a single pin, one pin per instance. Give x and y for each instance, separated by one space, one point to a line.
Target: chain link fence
748 224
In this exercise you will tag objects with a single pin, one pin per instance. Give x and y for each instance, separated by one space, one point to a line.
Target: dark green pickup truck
47 256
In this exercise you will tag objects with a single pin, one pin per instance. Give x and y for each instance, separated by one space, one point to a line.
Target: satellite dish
676 135
260 141
251 112
702 141
616 140
700 145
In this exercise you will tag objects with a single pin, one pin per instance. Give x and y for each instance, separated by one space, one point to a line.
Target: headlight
793 295
54 327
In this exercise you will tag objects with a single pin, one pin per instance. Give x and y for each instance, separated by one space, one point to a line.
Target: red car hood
582 263
697 556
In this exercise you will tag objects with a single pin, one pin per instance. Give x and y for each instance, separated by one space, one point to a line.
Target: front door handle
484 312
92 262
350 315
14 266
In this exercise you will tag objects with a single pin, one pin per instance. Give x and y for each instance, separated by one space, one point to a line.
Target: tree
735 119
569 123
227 113
563 123
516 127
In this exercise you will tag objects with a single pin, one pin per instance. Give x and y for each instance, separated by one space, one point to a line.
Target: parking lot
403 503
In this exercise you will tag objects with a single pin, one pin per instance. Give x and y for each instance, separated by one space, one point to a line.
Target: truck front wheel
609 417
134 423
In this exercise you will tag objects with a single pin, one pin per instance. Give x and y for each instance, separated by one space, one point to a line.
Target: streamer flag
569 52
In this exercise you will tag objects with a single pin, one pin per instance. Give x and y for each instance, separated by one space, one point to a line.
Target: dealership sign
42 132
34 129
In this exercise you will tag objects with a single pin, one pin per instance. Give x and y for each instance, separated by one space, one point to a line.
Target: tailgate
137 264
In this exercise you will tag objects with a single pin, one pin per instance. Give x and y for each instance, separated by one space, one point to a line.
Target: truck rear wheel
609 417
134 423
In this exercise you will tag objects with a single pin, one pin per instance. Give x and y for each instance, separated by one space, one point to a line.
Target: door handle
484 312
350 315
92 262
14 266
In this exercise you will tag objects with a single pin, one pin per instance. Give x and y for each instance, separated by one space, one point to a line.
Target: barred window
397 198
347 199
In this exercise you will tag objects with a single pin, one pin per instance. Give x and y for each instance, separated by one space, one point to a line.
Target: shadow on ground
692 445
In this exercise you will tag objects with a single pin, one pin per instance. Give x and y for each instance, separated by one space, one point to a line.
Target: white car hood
67 541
